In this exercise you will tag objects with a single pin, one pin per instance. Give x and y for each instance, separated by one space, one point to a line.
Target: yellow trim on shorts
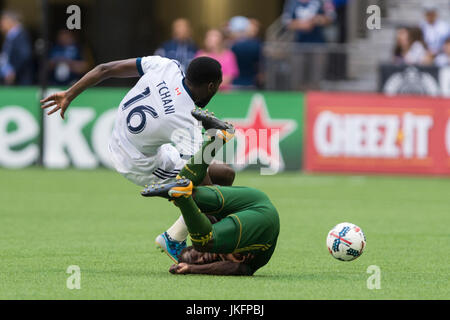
262 247
240 230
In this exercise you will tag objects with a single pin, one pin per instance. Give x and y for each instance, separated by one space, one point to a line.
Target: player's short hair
203 70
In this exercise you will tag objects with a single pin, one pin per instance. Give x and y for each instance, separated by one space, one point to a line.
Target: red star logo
258 137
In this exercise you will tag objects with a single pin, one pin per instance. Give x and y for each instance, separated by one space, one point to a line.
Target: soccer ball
346 241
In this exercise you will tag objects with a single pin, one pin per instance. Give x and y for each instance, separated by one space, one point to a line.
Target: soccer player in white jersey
159 105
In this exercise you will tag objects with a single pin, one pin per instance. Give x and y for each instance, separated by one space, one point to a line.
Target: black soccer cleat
210 121
224 130
176 189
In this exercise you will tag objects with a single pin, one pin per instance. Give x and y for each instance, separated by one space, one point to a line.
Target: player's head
191 256
204 76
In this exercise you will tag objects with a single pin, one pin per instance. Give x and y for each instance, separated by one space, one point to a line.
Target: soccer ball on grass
346 241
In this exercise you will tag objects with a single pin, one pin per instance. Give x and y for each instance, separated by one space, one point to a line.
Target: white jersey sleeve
155 64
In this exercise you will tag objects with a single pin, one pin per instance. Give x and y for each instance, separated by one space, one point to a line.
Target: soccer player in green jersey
245 234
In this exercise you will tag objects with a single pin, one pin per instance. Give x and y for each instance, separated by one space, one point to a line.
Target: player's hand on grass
181 268
59 100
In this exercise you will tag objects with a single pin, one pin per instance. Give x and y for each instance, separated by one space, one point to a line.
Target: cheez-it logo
372 135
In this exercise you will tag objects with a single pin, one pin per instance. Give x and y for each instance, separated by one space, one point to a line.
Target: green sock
196 168
198 225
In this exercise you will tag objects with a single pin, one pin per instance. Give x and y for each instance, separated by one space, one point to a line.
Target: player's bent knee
221 174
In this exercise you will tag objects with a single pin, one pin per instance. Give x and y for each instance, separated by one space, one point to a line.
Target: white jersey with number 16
149 117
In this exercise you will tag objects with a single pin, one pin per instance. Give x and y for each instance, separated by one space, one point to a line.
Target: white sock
178 231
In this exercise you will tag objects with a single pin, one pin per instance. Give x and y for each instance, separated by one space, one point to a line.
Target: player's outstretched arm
115 69
220 268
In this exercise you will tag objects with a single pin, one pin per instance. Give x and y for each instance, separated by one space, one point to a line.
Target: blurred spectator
337 61
410 47
16 55
308 18
66 63
435 30
247 49
214 48
443 59
341 19
181 48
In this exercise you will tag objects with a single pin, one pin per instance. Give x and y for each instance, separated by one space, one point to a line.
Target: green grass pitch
98 221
